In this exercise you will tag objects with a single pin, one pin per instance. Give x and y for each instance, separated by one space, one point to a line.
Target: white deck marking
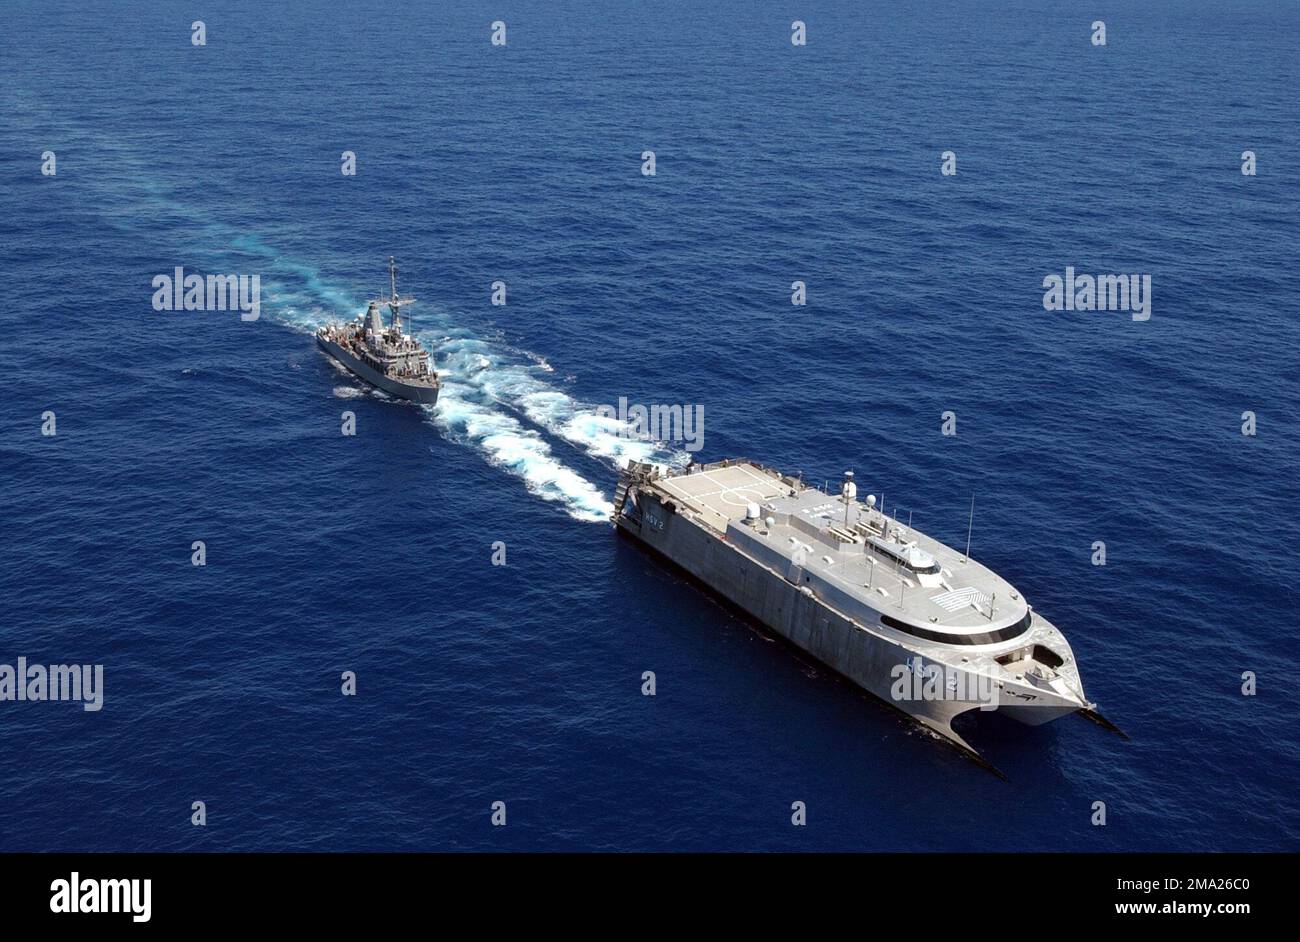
722 491
959 598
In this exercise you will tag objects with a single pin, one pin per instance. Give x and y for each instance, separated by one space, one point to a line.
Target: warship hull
801 619
423 393
776 597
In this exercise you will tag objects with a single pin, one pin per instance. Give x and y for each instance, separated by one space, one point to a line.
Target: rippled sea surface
522 164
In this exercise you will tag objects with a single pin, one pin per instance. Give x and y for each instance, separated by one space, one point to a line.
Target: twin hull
426 395
864 657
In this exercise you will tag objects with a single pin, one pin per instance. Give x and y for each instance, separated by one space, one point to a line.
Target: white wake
493 399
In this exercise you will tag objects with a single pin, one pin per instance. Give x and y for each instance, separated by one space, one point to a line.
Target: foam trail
463 412
296 295
469 407
515 383
508 444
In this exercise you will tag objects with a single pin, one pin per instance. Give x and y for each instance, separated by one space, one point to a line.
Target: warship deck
719 495
846 551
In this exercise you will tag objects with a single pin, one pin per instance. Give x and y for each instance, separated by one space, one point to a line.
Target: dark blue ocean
774 163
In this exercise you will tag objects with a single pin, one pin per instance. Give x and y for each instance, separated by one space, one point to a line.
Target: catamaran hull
415 392
866 658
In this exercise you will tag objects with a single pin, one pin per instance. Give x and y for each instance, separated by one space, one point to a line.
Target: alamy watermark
182 292
663 423
917 681
38 683
1073 292
79 894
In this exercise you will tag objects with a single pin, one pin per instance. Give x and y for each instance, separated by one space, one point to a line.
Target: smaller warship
383 356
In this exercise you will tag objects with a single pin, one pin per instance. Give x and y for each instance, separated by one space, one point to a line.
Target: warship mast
394 302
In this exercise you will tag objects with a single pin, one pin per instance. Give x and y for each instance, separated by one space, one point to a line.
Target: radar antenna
395 304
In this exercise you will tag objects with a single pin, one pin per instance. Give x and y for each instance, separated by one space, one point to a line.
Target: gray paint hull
867 658
425 395
803 620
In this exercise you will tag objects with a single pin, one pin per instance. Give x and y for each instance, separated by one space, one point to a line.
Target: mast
395 304
970 522
848 490
392 298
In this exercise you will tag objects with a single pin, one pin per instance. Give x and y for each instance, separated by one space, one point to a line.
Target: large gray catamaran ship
386 356
908 619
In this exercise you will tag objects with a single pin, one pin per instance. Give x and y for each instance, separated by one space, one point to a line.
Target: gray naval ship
383 356
908 619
